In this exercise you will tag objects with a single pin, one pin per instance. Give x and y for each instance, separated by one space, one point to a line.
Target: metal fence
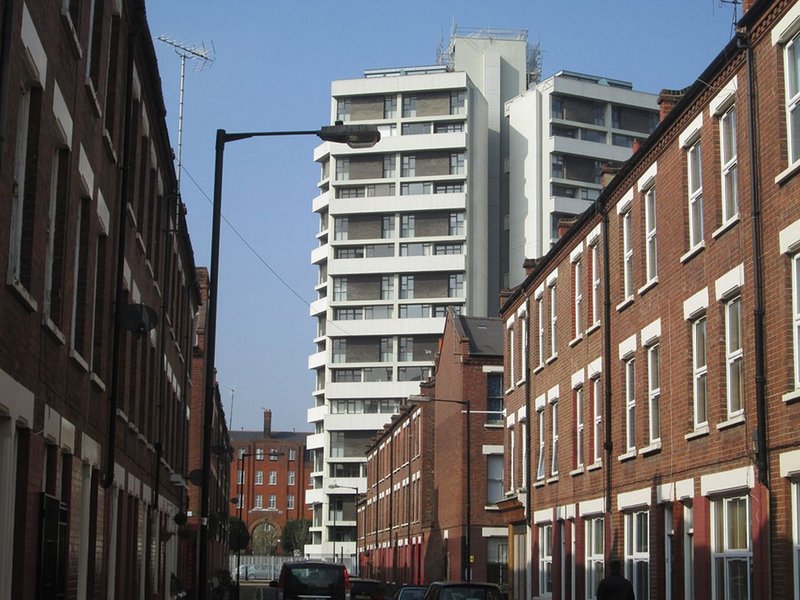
269 567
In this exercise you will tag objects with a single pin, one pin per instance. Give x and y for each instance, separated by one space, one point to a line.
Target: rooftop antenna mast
205 58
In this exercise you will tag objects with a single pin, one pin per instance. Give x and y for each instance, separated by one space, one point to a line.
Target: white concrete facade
561 131
405 231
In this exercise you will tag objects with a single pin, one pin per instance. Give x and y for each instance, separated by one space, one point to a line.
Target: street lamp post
240 479
355 136
466 551
335 486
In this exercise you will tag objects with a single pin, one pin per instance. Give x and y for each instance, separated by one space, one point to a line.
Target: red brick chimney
564 224
747 5
267 423
667 99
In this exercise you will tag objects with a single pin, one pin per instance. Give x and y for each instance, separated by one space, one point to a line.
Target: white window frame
627 255
512 352
594 525
636 554
729 165
629 368
792 99
540 336
721 554
579 427
699 373
290 502
597 420
654 392
258 501
795 487
650 232
523 367
795 266
290 478
553 319
273 478
545 533
577 296
259 478
554 437
595 255
273 502
734 355
342 169
695 191
240 477
540 463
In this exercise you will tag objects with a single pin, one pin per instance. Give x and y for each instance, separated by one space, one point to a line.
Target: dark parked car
463 590
309 580
365 589
410 592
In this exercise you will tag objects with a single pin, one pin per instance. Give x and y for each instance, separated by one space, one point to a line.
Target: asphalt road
257 590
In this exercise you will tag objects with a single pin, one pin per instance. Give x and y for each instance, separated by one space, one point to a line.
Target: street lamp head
355 136
418 399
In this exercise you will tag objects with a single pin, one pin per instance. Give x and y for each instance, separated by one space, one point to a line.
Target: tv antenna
205 58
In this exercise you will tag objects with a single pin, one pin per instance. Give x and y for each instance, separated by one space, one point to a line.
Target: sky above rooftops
274 62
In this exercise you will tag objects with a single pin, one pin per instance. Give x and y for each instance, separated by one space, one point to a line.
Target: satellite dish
196 477
138 318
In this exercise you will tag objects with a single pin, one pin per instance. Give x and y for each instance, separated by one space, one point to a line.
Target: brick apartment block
413 521
652 358
93 416
270 471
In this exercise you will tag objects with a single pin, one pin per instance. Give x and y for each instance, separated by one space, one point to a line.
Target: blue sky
274 62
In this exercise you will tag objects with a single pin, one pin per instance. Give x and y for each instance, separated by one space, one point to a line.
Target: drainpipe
5 59
527 446
608 445
762 459
122 220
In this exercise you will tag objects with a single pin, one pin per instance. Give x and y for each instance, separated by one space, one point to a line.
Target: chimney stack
267 423
667 99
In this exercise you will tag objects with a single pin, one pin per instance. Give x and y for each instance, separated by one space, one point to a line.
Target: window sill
653 448
95 379
553 479
539 483
699 432
131 214
731 422
791 396
140 243
538 369
121 415
788 173
648 286
21 293
92 96
109 143
576 472
493 426
725 226
627 456
593 328
491 507
551 359
71 33
519 382
693 251
574 342
595 466
625 304
53 329
74 355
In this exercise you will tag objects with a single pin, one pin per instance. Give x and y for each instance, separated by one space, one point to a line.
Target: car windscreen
412 593
314 581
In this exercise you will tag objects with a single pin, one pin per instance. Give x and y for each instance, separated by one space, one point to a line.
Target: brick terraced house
653 355
94 391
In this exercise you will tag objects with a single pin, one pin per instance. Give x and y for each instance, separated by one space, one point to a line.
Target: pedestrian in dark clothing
615 586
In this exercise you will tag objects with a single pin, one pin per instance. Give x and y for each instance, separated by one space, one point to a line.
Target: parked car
313 579
463 590
365 589
262 572
410 592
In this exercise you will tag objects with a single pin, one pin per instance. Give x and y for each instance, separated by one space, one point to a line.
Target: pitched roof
485 334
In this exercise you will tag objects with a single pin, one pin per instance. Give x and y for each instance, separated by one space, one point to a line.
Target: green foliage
239 536
295 535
